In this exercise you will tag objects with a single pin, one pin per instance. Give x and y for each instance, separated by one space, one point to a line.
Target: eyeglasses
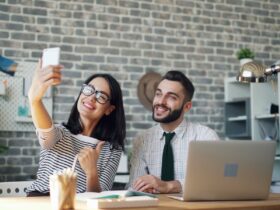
100 96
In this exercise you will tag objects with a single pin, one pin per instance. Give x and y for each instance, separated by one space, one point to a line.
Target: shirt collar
179 131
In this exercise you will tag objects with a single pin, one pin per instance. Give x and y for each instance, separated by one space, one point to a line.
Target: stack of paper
136 201
118 199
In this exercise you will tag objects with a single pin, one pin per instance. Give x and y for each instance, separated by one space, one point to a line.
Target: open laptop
228 170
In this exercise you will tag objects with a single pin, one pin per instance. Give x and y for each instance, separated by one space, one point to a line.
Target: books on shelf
117 199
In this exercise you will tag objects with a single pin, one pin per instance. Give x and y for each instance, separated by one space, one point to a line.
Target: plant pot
245 60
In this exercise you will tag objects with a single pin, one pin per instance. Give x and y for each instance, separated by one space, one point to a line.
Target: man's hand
153 184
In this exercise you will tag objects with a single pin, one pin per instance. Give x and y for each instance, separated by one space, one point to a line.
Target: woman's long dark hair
112 127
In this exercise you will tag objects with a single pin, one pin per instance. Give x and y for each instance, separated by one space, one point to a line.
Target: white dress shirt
148 148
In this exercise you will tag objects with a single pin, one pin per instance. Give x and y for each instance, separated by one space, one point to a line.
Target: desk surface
165 203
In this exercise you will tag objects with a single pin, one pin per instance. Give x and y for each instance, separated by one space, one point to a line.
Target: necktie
167 167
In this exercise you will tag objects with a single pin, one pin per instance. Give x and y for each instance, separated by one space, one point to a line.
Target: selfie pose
94 132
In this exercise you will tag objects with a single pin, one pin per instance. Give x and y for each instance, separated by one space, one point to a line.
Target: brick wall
127 38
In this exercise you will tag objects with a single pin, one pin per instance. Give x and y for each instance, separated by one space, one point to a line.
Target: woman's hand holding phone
47 73
50 56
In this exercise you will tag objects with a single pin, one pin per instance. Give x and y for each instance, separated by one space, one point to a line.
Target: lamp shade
252 72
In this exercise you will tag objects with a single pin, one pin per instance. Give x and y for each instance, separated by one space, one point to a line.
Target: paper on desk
135 201
88 195
121 193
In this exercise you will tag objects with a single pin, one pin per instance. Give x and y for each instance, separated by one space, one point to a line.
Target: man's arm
136 168
153 184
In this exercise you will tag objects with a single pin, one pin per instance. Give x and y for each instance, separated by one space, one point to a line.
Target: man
151 170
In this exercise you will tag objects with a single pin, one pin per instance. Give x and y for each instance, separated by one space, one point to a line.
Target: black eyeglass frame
98 93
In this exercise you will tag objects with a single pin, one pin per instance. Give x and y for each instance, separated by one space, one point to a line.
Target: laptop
228 170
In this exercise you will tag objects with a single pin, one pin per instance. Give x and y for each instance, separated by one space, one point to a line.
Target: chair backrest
18 188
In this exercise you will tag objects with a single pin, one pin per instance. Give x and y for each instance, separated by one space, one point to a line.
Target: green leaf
245 53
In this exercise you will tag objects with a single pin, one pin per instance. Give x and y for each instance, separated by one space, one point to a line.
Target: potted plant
245 55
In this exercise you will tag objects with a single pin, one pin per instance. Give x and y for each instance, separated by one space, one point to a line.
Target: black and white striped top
59 148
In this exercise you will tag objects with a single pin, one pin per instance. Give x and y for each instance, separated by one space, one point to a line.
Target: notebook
228 170
117 199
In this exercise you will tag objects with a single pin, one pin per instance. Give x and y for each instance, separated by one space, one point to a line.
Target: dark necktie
167 167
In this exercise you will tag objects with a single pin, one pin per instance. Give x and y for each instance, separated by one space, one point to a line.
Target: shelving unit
247 113
237 123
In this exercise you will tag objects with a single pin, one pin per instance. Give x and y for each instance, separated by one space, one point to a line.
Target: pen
146 166
147 169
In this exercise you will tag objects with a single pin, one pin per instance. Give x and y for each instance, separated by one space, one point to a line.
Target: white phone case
50 56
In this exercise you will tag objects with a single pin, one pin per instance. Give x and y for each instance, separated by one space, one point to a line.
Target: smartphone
50 56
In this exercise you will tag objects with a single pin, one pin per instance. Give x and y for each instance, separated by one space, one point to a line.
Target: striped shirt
148 149
59 148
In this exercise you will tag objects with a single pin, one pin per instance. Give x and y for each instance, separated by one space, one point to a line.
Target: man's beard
173 115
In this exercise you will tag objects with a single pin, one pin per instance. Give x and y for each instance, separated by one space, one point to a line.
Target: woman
97 114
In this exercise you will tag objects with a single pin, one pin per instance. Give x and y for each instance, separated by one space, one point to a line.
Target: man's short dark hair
178 76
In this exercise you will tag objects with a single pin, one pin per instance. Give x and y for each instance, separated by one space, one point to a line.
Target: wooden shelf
238 118
277 157
267 116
